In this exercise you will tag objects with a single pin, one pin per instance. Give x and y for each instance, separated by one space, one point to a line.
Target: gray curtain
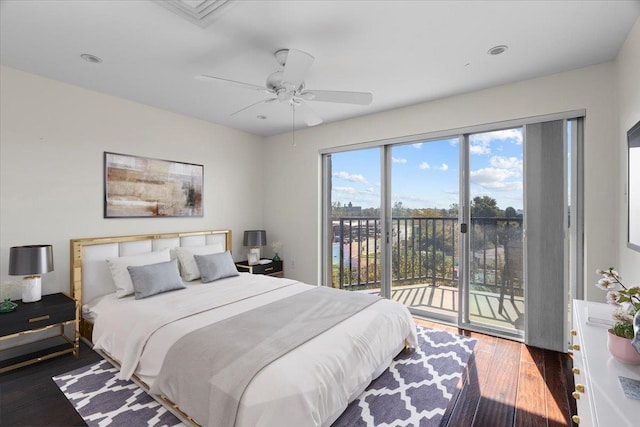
546 293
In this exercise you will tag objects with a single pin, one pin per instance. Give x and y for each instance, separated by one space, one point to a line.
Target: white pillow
120 274
188 267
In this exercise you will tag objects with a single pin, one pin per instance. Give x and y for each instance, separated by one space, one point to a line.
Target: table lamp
31 261
254 239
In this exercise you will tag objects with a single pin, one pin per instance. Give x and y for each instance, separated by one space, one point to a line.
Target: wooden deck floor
484 306
506 384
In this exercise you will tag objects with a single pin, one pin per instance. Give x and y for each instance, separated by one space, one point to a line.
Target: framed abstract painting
137 187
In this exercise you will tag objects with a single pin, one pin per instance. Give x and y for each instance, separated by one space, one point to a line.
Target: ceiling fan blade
207 78
310 117
296 67
360 98
252 105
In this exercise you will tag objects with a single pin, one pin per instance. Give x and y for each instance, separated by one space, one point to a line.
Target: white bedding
310 386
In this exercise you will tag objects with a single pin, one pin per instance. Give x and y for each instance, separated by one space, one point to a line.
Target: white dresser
599 397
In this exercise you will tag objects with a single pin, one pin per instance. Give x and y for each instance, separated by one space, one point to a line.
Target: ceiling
404 52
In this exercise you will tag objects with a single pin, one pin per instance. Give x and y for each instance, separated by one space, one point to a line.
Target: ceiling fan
287 85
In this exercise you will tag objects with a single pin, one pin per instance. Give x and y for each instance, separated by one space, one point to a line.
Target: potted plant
627 300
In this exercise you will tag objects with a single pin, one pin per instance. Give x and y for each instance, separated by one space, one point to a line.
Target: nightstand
52 311
274 268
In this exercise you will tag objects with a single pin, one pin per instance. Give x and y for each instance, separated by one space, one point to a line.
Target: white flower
612 297
606 284
622 315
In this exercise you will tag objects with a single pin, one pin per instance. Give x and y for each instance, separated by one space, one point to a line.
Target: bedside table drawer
273 268
57 309
54 311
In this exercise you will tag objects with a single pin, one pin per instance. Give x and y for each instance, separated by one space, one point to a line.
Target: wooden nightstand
52 311
274 268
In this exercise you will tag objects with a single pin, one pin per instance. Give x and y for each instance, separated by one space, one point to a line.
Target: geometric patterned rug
416 388
413 392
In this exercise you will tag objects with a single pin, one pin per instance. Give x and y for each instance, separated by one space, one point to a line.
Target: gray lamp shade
253 238
30 260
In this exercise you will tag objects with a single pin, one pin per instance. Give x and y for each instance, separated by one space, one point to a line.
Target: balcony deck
484 306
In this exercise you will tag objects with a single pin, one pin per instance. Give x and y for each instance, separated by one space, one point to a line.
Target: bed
238 350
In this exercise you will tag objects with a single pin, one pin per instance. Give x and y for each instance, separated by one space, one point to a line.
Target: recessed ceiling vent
199 12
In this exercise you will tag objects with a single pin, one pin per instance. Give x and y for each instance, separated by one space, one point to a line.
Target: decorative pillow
120 274
155 278
216 266
188 267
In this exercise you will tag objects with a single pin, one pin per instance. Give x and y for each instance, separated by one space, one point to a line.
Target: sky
426 174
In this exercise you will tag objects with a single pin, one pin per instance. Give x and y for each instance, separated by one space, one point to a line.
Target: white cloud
399 160
479 147
496 179
418 145
344 190
479 143
510 163
502 135
444 167
424 165
350 177
358 197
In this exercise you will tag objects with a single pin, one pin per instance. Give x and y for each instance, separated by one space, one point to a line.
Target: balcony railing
425 251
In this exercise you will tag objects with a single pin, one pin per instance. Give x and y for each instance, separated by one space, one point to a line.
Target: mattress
309 386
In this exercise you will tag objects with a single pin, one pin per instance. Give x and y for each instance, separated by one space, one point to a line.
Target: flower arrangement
626 298
276 246
6 290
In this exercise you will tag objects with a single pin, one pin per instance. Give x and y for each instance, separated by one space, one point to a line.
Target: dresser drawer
581 393
52 309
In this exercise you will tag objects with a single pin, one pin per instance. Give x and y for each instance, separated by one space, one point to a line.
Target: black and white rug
413 392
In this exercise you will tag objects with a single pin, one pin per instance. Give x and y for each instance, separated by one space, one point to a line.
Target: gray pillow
155 279
216 266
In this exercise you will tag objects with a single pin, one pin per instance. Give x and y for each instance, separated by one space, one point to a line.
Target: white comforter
310 386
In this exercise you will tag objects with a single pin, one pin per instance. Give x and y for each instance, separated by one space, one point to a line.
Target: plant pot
621 349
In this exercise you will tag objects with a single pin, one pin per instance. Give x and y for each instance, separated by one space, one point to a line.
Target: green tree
510 212
485 206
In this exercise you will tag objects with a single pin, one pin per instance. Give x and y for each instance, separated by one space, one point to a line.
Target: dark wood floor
506 384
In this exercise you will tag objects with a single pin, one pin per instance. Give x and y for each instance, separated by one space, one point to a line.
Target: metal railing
424 251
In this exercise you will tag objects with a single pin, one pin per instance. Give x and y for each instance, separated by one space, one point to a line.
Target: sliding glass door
354 234
471 228
425 193
495 290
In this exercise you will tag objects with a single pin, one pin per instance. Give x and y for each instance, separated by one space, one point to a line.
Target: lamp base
31 289
253 257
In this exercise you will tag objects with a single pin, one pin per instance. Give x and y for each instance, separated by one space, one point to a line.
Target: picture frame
633 187
253 257
143 187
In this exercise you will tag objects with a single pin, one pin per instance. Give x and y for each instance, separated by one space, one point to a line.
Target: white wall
292 212
52 136
628 67
52 139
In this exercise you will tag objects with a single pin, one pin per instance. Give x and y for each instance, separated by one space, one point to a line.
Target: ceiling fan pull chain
293 124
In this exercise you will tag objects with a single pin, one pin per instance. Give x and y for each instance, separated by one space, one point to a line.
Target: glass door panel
355 227
496 257
424 227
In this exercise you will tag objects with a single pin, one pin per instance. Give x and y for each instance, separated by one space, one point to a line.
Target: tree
485 206
510 212
399 210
